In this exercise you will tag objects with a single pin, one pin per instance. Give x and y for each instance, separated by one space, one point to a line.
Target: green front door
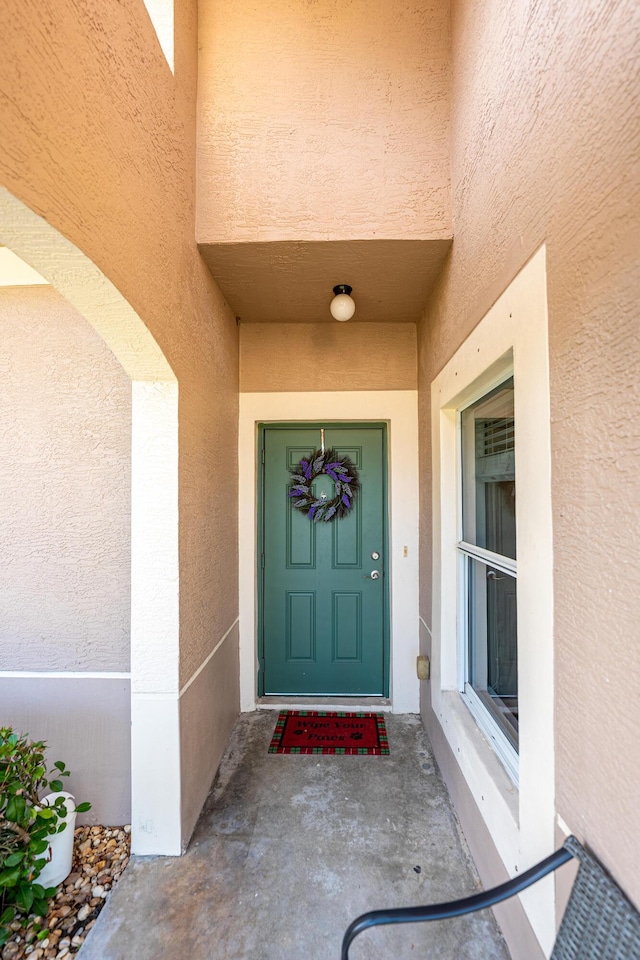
323 618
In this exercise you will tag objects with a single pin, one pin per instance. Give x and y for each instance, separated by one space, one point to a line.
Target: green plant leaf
9 878
83 807
40 907
55 786
59 765
40 829
25 897
38 890
50 892
13 859
46 813
7 915
42 935
15 810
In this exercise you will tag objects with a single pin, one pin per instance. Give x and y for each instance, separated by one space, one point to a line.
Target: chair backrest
599 922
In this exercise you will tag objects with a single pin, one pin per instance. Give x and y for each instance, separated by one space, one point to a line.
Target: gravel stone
100 855
12 951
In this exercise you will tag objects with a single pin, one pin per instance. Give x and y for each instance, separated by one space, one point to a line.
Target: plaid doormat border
382 748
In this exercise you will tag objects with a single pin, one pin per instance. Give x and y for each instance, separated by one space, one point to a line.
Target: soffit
292 281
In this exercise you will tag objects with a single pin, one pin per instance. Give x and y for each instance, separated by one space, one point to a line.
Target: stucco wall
275 357
98 136
65 476
86 723
545 140
324 120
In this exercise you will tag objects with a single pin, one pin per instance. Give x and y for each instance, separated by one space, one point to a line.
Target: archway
155 756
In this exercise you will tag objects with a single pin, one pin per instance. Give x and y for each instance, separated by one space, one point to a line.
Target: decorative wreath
344 475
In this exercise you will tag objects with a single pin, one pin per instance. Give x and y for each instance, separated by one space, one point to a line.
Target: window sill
493 790
504 750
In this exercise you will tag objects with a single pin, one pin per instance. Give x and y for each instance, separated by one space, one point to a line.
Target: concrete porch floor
290 849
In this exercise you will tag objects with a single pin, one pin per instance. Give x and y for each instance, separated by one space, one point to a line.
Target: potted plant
30 825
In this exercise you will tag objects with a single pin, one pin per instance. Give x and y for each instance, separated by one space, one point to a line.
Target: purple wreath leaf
342 472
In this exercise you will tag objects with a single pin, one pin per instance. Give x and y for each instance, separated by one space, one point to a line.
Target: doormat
320 731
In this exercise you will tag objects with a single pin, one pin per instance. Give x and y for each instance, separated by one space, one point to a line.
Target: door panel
323 621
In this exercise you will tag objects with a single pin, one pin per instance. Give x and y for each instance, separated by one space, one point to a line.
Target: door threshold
277 702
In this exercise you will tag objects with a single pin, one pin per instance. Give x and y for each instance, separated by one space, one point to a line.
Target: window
513 786
488 557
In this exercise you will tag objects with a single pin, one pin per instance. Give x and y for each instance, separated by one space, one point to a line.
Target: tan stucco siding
102 143
545 140
323 121
86 723
99 139
65 475
279 357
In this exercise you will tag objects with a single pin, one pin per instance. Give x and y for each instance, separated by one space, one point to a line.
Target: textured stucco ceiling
290 281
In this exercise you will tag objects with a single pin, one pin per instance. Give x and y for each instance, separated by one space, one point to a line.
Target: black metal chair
598 924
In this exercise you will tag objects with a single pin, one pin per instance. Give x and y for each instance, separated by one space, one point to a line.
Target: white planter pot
60 853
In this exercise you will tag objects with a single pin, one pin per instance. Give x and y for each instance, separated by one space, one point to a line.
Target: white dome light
342 306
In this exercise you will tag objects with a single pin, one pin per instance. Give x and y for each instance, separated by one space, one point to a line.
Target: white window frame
520 819
505 751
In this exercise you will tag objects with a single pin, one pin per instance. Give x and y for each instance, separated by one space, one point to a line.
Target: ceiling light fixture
342 306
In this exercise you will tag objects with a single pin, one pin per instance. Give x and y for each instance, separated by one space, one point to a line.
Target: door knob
374 575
